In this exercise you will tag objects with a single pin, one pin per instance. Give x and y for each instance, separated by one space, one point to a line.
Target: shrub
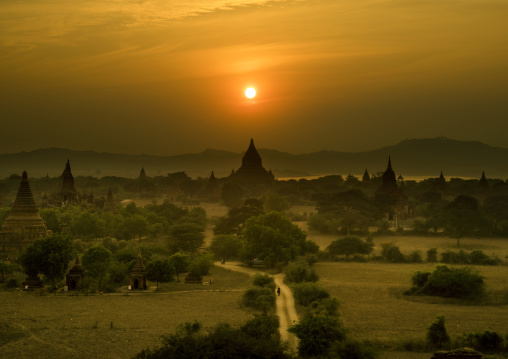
317 334
327 306
11 283
352 350
391 253
419 279
437 335
300 271
306 293
478 257
464 283
485 341
259 298
415 257
261 326
264 280
349 245
432 255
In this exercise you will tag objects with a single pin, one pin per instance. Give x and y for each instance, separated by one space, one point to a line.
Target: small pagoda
138 274
74 279
390 195
23 225
109 203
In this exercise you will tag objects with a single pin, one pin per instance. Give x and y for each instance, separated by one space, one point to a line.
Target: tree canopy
272 238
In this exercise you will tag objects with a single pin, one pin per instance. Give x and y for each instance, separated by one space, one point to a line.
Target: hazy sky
168 76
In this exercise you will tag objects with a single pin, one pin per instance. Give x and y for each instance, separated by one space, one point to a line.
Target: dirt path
285 304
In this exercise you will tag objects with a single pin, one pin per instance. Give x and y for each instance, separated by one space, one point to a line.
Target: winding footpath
285 304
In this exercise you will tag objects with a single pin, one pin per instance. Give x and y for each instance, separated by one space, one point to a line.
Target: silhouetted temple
390 195
23 225
67 192
366 176
109 203
252 169
483 184
142 173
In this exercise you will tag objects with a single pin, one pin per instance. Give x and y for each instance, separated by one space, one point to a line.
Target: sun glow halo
250 92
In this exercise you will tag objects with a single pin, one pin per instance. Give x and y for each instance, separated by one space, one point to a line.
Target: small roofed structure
193 278
138 274
74 279
462 353
23 225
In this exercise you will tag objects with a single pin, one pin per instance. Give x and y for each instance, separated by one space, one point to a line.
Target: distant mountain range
414 158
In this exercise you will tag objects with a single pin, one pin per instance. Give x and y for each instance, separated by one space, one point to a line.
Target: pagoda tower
366 176
252 169
109 203
138 274
67 192
142 173
390 195
23 225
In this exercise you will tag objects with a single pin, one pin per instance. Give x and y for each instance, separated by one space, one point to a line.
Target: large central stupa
252 169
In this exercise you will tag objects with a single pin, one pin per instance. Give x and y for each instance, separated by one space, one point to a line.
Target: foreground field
374 308
110 326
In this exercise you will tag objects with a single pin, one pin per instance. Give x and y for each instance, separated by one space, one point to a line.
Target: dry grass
374 308
66 326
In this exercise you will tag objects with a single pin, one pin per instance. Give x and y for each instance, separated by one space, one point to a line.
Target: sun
250 92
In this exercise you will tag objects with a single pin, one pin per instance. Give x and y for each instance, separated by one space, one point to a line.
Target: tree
272 238
136 225
5 268
160 271
317 334
234 222
437 335
231 195
349 245
50 256
352 208
88 225
226 246
202 264
187 237
181 263
461 217
277 203
96 260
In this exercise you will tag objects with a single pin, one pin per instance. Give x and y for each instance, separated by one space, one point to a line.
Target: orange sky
168 76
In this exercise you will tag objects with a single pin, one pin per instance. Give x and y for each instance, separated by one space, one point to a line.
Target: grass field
113 326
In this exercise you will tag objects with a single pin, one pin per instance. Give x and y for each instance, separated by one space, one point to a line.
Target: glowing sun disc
250 92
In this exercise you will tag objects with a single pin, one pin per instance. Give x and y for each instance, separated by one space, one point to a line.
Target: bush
391 253
298 272
352 350
11 283
475 257
306 293
349 245
317 334
463 283
264 281
419 279
432 255
482 341
259 298
415 257
437 335
261 326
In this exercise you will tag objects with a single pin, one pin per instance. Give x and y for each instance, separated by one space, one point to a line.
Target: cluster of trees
132 222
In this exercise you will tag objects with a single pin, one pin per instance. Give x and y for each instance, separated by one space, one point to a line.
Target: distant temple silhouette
252 170
391 196
23 225
67 194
